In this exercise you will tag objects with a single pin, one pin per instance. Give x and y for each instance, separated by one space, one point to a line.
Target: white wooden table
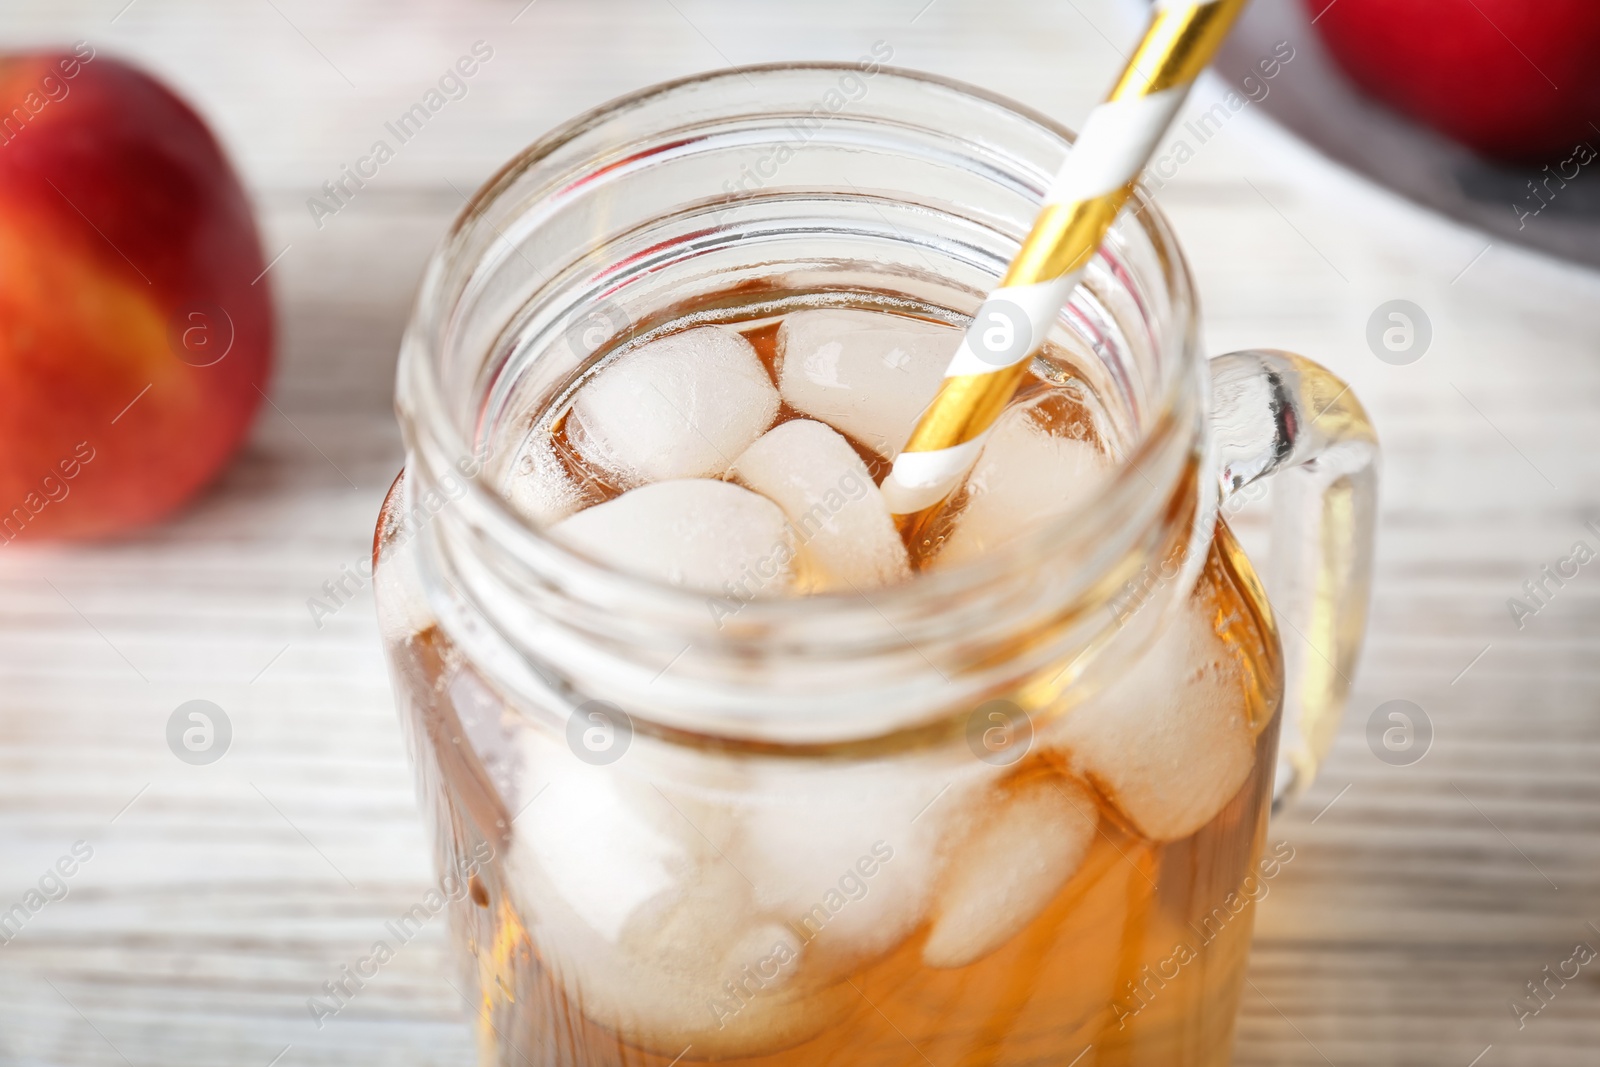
220 897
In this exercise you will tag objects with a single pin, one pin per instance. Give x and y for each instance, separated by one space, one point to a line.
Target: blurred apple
134 325
1513 79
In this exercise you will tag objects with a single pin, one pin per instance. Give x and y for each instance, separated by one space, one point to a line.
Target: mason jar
1008 812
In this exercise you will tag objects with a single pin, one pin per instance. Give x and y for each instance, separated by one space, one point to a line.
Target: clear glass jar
1003 813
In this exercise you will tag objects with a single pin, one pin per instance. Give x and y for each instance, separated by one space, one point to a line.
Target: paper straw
1097 178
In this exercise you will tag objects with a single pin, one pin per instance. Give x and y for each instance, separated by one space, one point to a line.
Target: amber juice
1089 903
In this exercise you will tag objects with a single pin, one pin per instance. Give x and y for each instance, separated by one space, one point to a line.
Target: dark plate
1312 99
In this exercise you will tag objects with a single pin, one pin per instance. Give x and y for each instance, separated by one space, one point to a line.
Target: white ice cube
538 486
1025 477
846 537
1169 741
847 854
592 823
683 406
867 374
709 536
630 890
1019 851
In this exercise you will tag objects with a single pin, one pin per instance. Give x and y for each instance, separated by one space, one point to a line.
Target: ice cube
867 374
538 486
709 536
1017 854
683 406
630 892
847 853
841 525
1169 740
590 824
1025 477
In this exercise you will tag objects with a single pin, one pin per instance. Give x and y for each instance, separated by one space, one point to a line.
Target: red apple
134 325
1514 79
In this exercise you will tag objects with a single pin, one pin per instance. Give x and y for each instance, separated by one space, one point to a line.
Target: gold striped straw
1097 178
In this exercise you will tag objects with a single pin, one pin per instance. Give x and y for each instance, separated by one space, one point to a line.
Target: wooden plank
1418 903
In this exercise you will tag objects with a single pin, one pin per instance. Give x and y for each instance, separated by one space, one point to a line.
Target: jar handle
1276 413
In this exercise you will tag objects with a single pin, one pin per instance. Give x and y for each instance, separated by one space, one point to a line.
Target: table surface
219 898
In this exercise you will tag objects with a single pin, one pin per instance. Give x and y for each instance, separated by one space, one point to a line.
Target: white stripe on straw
1117 141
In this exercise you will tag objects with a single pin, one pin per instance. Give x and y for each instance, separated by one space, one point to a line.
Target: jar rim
1176 417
